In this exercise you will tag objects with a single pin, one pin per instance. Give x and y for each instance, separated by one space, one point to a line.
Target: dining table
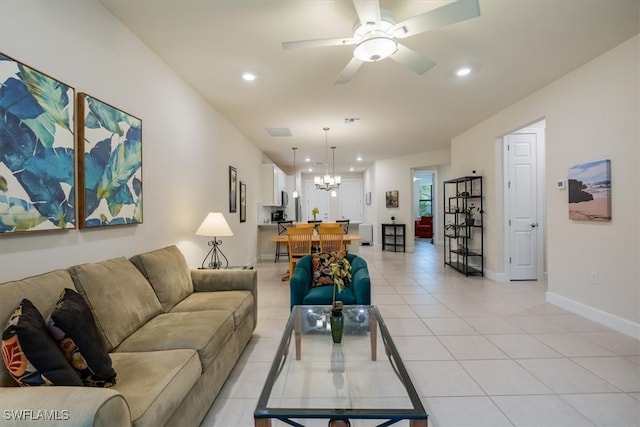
348 239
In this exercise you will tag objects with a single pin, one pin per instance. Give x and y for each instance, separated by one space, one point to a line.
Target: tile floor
480 353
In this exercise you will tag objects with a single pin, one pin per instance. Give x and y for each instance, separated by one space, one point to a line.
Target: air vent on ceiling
278 132
351 120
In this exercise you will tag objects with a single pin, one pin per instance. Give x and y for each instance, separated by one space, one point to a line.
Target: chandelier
328 182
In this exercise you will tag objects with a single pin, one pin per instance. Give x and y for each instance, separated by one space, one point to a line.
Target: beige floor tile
574 345
432 310
396 311
449 326
421 348
471 347
492 325
566 376
608 409
540 411
623 372
521 346
618 343
407 327
441 378
500 377
464 412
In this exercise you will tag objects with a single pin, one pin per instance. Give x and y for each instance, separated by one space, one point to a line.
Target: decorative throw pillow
72 326
30 354
331 268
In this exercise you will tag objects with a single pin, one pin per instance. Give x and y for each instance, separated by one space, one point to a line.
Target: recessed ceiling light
351 169
359 158
249 77
310 169
463 71
308 159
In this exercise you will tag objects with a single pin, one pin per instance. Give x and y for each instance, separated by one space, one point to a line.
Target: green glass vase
337 325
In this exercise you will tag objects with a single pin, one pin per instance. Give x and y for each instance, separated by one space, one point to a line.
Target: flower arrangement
341 273
314 212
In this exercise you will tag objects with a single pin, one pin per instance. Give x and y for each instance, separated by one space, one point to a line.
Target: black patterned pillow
73 327
331 268
30 354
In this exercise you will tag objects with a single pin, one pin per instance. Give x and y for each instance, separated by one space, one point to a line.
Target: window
425 207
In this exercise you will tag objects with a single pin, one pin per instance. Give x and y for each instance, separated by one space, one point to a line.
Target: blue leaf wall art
37 157
110 165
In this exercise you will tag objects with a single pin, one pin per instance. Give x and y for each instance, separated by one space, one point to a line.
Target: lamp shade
214 225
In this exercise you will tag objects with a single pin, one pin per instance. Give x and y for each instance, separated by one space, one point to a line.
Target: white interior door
351 200
522 205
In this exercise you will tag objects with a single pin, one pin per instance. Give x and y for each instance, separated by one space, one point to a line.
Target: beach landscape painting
590 191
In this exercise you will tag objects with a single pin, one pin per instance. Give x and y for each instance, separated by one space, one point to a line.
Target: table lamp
216 226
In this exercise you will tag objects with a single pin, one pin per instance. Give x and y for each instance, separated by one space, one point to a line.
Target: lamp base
215 256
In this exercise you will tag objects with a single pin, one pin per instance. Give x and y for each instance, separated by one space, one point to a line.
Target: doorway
524 212
424 198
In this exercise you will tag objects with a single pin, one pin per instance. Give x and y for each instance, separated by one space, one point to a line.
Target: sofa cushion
155 383
42 290
330 268
30 354
72 326
204 331
168 272
240 303
120 297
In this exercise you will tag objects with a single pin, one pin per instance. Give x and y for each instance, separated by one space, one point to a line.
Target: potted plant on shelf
469 212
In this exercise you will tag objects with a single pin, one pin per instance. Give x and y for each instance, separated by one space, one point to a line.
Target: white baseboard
611 320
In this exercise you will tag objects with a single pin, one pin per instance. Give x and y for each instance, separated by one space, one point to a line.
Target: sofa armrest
78 406
228 280
360 279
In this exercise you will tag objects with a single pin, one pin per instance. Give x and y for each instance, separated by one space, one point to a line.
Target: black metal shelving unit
464 229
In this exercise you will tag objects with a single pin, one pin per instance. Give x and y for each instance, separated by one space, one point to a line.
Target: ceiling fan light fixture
375 48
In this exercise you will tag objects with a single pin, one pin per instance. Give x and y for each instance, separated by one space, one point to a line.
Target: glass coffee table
363 377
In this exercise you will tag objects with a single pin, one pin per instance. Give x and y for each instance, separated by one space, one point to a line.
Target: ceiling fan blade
368 12
451 13
412 60
349 71
319 43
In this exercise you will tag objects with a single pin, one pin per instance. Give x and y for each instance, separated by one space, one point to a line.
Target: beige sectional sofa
173 334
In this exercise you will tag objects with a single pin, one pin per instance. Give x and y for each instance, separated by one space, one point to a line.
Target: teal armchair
358 290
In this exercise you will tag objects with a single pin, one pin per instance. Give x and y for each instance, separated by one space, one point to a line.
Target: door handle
534 224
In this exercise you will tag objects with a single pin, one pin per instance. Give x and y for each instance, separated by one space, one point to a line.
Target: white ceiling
515 47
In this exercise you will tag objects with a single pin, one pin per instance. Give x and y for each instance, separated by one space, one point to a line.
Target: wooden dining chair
299 244
331 237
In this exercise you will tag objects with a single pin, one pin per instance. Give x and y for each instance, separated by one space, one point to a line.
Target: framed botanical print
110 165
243 201
37 150
233 189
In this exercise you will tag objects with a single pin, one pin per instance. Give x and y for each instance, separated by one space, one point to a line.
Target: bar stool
282 249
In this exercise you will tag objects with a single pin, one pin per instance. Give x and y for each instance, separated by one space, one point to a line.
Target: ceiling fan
375 35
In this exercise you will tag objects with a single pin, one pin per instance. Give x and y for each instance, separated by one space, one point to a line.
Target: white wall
187 145
591 114
396 174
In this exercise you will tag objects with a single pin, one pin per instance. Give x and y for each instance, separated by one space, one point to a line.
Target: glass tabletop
362 377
